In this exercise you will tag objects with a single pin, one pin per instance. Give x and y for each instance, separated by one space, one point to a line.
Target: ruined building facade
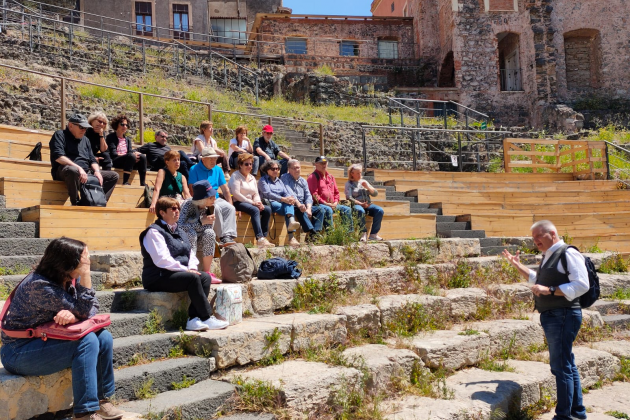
516 59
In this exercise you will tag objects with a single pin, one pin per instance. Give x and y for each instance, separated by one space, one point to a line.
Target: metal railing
618 163
427 112
63 83
139 54
417 147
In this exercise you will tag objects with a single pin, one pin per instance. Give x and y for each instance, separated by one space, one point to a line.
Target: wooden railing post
321 139
63 103
589 156
210 112
141 118
506 156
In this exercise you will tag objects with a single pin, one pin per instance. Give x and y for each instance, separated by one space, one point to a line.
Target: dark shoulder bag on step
91 193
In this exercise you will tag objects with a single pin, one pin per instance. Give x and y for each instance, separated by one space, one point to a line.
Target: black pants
70 175
128 163
106 162
197 286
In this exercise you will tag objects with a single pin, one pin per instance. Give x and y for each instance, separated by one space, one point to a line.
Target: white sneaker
215 324
364 237
196 324
293 225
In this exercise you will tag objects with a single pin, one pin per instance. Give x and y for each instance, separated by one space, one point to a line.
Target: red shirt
325 189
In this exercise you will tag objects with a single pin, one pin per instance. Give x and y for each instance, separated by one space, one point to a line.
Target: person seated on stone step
281 200
123 156
46 295
155 152
323 188
240 144
206 129
72 159
265 149
311 217
169 182
359 192
96 135
196 220
170 265
224 211
244 191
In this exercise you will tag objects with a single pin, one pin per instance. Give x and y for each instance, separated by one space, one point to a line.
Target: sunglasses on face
124 125
274 169
102 122
79 127
248 164
175 208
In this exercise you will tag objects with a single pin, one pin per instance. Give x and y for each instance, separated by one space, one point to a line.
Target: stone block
511 332
519 292
453 248
493 391
616 348
305 386
166 304
592 319
268 296
391 304
447 250
23 397
464 302
383 363
449 348
415 408
613 397
539 372
121 267
608 283
310 330
361 317
594 365
243 343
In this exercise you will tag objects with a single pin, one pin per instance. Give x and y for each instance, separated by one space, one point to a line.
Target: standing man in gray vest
557 290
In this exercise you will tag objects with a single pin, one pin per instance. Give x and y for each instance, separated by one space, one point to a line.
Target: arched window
447 71
510 61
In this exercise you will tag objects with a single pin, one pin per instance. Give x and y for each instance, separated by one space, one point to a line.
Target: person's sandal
108 411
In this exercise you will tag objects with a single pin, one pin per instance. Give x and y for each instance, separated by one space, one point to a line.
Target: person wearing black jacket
123 156
72 159
96 135
155 154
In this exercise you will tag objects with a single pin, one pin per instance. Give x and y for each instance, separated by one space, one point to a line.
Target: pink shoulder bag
53 330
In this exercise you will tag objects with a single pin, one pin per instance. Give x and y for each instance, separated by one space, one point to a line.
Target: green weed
351 401
419 253
624 371
259 396
273 355
621 293
618 415
17 270
324 70
430 383
614 264
317 297
138 359
413 318
342 232
154 324
593 249
494 365
590 334
179 318
184 383
5 291
128 300
468 331
146 391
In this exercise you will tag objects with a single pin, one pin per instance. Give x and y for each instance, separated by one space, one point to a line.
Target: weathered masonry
518 57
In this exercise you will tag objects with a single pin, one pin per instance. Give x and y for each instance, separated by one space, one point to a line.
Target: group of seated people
83 148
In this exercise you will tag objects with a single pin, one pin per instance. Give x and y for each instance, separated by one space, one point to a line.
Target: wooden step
19 150
598 185
118 229
32 192
24 135
532 208
386 175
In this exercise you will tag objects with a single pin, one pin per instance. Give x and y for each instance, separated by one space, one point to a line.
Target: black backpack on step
36 153
91 193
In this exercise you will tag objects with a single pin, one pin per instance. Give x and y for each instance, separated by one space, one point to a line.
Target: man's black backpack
36 153
591 296
91 193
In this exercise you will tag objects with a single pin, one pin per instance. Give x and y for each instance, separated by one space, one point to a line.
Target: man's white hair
292 163
545 225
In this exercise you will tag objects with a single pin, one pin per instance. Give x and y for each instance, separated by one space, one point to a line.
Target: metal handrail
142 95
609 164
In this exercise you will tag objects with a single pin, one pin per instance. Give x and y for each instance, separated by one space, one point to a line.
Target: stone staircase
309 382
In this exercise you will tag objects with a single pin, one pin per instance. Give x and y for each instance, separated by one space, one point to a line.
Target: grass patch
624 371
614 264
5 291
17 270
258 396
419 253
414 317
324 70
342 232
184 341
179 319
138 359
468 331
128 300
618 415
429 383
589 334
318 297
146 391
621 293
351 400
274 355
184 383
154 324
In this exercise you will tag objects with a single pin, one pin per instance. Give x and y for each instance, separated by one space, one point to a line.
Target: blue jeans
346 215
316 224
377 217
561 326
282 209
260 220
328 215
90 359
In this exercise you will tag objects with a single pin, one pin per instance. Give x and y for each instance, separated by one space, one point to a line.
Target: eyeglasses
164 137
248 164
102 122
274 169
124 125
175 208
79 127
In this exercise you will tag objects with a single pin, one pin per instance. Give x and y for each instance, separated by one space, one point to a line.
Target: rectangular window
229 31
295 45
502 6
75 15
180 21
144 20
349 49
388 49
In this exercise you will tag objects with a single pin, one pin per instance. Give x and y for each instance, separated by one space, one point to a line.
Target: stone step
127 324
155 346
445 228
605 307
445 219
18 230
468 234
138 299
21 263
497 250
10 247
425 211
199 401
3 202
9 215
621 322
250 416
486 242
163 373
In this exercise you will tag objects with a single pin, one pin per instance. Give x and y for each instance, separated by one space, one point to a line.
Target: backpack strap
563 258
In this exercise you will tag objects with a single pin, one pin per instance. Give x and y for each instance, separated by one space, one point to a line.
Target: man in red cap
266 149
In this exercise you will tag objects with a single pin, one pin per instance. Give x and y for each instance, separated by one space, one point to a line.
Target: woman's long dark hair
61 257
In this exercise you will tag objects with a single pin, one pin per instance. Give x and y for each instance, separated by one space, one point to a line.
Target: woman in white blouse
206 129
244 191
241 144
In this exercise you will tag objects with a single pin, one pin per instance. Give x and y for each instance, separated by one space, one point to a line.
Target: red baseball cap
267 129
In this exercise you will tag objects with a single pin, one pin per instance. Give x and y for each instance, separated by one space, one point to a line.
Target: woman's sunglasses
248 164
124 125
